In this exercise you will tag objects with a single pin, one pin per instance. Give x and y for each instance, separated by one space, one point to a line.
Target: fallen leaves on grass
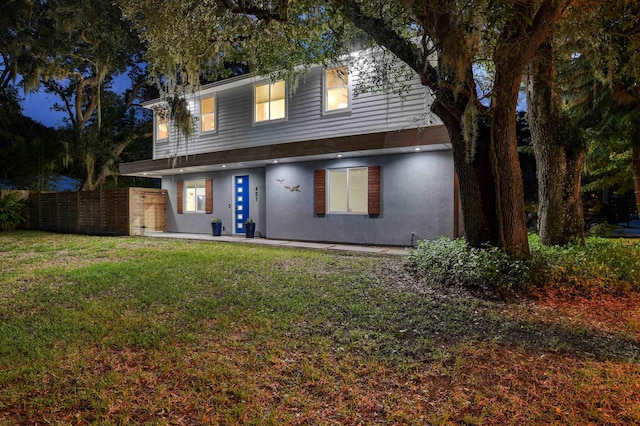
229 379
601 312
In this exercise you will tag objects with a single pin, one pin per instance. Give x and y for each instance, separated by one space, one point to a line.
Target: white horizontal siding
370 113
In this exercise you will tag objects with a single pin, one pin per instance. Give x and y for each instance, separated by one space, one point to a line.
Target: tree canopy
602 88
74 49
188 40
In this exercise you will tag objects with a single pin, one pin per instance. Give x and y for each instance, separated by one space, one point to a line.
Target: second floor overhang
384 143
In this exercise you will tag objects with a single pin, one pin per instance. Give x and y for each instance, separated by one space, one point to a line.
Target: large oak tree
74 49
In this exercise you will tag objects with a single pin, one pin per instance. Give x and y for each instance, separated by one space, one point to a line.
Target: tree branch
525 32
6 76
134 95
80 85
53 86
384 35
82 118
242 7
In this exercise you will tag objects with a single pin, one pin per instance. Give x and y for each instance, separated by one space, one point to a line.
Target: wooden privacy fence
121 211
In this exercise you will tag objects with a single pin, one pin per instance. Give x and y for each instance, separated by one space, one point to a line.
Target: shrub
601 265
602 230
12 212
454 262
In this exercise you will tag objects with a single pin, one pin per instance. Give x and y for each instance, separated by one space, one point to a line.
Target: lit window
195 199
207 114
270 101
336 95
162 132
348 190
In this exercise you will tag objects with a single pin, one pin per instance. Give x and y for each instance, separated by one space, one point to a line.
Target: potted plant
216 226
249 228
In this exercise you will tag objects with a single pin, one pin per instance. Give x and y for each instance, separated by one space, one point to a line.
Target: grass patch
110 330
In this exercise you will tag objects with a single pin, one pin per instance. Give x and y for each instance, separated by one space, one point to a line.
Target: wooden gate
147 210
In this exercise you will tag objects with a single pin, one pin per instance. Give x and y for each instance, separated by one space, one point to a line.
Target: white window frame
198 190
286 103
325 92
330 209
214 113
157 128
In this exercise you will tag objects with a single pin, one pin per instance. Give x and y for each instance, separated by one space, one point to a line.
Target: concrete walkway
631 229
396 251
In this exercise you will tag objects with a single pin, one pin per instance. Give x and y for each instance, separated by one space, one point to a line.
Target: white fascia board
239 81
227 84
152 103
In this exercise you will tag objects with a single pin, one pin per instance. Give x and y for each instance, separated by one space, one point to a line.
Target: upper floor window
336 89
195 196
162 130
207 114
269 101
349 190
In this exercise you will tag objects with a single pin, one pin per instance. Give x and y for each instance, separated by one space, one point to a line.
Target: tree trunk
510 208
521 35
477 193
636 174
89 168
558 165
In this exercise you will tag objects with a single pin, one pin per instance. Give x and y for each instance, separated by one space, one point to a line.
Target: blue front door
241 189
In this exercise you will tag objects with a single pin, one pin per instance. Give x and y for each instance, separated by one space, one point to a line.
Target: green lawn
101 330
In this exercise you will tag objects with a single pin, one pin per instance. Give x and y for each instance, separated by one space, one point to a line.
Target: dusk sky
39 106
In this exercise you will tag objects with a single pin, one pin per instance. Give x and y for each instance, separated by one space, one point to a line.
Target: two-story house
311 162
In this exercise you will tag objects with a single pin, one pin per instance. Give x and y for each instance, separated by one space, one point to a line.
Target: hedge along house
312 162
